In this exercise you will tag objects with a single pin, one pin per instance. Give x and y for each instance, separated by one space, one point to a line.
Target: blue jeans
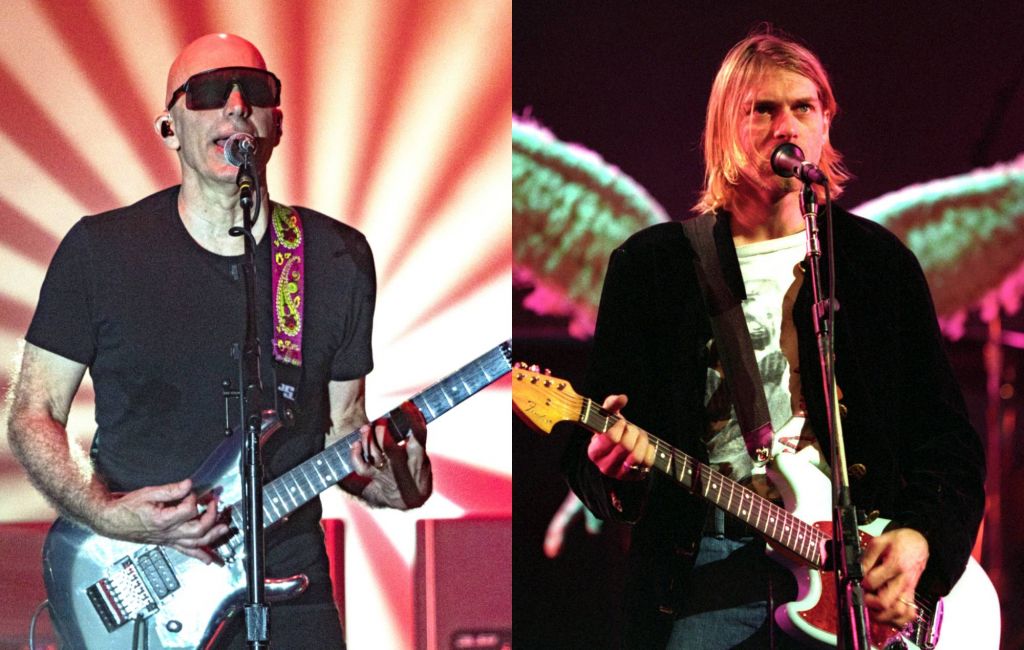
727 598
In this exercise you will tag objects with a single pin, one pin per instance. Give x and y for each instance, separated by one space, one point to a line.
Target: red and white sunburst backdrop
397 121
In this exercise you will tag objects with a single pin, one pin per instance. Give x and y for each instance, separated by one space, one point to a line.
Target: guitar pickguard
969 612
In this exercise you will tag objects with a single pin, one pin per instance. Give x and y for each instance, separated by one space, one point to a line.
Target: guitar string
582 406
471 378
284 487
803 538
815 536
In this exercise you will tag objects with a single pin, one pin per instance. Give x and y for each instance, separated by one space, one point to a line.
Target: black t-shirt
155 316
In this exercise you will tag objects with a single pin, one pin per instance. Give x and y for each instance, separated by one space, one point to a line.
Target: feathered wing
570 209
967 231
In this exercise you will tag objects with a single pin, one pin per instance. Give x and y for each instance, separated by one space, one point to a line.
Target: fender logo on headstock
540 400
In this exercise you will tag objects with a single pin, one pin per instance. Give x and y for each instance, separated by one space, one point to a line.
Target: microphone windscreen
237 147
786 159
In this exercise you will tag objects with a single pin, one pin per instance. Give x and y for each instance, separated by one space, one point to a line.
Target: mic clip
245 182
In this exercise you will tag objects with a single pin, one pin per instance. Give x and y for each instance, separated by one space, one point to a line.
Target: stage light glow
468 229
20 274
339 99
143 53
59 81
24 181
419 138
397 121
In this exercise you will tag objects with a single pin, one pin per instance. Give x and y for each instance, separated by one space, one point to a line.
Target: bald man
147 298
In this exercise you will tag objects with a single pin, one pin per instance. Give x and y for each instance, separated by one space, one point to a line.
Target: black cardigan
906 421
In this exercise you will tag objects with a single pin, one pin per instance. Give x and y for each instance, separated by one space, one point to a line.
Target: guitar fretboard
301 484
768 518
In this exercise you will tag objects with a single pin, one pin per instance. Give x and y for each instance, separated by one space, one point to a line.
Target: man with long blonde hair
700 579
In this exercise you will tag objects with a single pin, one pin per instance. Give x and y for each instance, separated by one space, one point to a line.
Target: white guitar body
969 615
797 534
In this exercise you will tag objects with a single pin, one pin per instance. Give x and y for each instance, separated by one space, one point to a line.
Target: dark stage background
925 90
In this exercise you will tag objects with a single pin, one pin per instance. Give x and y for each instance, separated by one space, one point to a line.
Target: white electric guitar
798 534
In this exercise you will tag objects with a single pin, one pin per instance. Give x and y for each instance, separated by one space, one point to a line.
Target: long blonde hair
744 65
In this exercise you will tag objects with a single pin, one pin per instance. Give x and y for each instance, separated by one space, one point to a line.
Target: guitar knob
173 626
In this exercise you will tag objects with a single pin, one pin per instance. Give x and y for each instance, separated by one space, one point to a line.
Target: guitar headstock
542 401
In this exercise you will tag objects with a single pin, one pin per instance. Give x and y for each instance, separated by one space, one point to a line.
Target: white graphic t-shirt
772 276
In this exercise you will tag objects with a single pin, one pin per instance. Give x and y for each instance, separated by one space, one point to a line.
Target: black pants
292 627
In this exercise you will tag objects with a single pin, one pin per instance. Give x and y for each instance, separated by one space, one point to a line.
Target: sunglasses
211 89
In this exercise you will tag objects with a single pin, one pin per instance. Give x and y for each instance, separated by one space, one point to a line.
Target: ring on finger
631 467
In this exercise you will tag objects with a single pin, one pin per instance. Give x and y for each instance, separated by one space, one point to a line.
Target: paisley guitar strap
287 283
721 284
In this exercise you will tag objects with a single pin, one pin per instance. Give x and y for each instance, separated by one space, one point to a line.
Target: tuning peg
534 368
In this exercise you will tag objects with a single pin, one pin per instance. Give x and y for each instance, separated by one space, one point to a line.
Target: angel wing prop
967 231
570 209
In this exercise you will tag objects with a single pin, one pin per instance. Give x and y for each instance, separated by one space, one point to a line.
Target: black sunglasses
211 89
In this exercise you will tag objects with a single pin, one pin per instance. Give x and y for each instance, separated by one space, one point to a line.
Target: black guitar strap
721 284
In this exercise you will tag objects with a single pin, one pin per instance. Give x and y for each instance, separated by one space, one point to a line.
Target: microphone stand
846 551
250 394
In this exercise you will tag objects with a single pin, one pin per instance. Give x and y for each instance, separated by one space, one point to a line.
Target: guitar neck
303 483
435 401
770 519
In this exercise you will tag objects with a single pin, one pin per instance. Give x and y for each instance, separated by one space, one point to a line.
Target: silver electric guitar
106 593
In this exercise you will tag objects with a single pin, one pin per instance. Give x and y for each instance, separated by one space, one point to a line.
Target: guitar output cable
32 623
140 635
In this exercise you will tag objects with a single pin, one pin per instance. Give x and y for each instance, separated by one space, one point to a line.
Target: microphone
239 149
788 161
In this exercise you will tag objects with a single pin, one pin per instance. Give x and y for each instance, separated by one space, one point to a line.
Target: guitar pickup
158 572
132 590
